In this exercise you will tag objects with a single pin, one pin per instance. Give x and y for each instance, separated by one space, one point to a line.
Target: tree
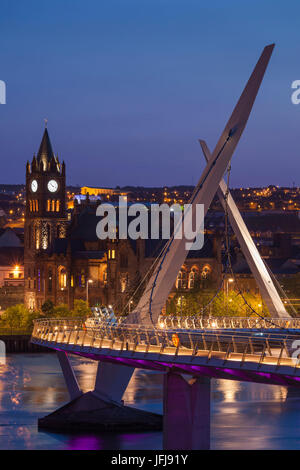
61 311
29 317
81 309
18 316
48 308
12 317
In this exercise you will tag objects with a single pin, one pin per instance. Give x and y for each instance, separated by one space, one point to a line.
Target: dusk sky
128 86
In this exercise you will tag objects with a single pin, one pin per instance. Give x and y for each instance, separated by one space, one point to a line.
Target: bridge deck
267 357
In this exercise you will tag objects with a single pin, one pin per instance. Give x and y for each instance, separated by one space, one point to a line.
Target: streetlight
229 280
87 290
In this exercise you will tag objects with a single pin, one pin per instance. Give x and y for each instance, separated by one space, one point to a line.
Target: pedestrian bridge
258 356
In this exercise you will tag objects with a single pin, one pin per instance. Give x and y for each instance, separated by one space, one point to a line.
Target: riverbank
19 342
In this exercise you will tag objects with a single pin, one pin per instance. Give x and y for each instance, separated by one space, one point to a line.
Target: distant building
11 259
11 266
102 193
97 191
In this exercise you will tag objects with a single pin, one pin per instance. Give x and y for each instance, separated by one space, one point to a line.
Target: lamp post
230 280
87 290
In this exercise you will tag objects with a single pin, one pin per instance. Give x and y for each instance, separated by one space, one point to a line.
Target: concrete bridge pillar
186 421
68 372
112 380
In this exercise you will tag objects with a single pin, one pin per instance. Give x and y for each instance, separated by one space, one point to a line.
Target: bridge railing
272 348
196 322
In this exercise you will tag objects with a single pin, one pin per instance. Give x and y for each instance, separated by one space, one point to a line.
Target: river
244 415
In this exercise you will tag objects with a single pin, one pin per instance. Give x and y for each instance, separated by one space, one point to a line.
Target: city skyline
129 88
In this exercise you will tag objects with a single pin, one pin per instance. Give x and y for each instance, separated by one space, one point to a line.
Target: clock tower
45 213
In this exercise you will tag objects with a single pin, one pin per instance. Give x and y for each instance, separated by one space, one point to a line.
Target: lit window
37 238
193 277
181 279
82 278
62 278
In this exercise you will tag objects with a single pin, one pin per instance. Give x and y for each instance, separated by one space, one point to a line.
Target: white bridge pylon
265 284
174 254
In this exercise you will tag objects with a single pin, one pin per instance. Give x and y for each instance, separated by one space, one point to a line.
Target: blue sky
128 86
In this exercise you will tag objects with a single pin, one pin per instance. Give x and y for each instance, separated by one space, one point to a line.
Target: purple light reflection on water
111 441
84 443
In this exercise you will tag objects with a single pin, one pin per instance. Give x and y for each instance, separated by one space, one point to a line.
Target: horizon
232 188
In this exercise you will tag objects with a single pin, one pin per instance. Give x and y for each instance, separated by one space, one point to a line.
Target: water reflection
228 391
244 415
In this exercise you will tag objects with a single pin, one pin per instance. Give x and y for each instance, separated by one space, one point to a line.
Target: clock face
52 186
34 186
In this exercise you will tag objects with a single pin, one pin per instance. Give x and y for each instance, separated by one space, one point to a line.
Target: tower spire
45 152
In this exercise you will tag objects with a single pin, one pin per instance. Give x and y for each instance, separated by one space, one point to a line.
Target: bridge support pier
186 421
100 409
69 375
112 380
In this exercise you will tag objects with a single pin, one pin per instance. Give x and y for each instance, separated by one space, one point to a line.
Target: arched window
82 279
48 205
57 205
124 280
62 277
206 270
193 276
37 238
181 279
30 205
53 205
